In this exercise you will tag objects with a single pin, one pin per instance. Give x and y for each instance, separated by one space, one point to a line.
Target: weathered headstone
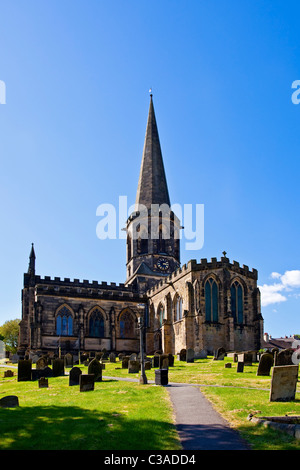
284 357
95 368
163 359
147 365
220 354
74 376
10 401
8 373
43 382
240 366
58 367
227 365
86 382
171 360
68 360
246 358
284 383
190 355
24 370
112 357
133 367
41 363
265 363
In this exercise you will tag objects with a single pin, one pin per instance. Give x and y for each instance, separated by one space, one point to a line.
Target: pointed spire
152 185
31 267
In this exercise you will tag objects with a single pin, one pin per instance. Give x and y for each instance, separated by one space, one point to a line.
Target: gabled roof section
152 185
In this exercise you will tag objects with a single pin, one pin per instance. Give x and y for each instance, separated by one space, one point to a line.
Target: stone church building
205 305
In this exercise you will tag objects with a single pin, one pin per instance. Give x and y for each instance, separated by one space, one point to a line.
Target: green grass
121 415
115 416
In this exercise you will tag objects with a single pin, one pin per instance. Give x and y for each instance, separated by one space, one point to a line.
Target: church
204 304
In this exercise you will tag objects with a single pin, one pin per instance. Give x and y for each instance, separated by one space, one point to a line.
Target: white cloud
271 294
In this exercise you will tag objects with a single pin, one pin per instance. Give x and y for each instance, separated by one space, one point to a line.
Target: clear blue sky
77 76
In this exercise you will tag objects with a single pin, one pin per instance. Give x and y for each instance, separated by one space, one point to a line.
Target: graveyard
91 405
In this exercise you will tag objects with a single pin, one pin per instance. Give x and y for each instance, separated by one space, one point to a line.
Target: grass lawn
115 416
121 415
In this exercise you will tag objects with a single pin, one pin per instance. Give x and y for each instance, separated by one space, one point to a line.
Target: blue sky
77 76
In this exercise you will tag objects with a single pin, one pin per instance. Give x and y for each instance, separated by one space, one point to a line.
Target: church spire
152 185
31 267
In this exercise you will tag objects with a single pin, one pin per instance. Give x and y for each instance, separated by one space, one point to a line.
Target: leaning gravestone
240 367
74 376
125 361
58 367
190 355
95 368
24 370
86 382
10 401
284 383
265 364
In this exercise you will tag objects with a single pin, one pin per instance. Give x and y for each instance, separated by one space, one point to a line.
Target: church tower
153 229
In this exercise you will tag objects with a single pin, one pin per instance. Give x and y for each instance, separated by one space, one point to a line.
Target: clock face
163 264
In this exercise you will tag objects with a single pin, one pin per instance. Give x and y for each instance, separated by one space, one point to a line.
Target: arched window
128 247
126 325
211 300
161 315
64 322
237 304
178 308
96 324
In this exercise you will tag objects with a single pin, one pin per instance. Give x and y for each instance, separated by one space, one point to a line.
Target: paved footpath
199 426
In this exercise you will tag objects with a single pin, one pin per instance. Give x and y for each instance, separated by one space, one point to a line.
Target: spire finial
150 91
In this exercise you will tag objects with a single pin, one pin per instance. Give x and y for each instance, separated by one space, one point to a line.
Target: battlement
205 265
76 283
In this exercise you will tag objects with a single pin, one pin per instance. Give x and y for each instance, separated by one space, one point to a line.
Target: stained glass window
96 324
64 322
126 325
237 304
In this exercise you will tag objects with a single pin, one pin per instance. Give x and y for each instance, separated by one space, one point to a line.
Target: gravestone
240 366
182 355
74 376
86 382
95 368
190 355
112 357
227 365
163 359
161 377
133 357
171 360
155 361
133 367
284 383
284 358
265 363
10 401
68 360
220 354
41 363
246 358
202 354
24 370
58 367
125 361
8 373
43 382
148 365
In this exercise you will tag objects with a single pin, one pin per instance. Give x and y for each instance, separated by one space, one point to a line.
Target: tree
9 331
